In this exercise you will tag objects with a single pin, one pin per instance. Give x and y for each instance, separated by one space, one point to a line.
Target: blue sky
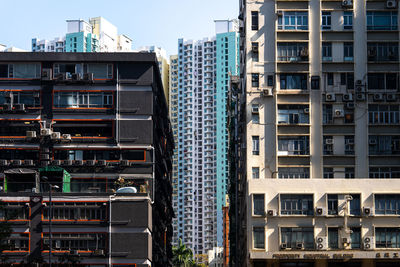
146 22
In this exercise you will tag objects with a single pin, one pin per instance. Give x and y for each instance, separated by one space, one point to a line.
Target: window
355 237
384 145
259 237
347 20
76 211
384 172
17 242
295 237
256 145
293 20
293 114
387 51
254 20
75 241
327 114
258 204
347 79
333 237
326 22
328 173
293 173
254 51
348 51
14 211
387 204
355 205
293 145
329 78
382 81
292 52
349 173
377 20
333 204
297 204
255 80
293 81
349 145
387 237
83 99
328 145
326 51
255 172
20 71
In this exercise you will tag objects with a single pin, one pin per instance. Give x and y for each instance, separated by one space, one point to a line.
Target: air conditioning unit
391 4
28 162
378 97
329 141
88 76
267 92
284 246
66 137
16 162
350 105
75 76
360 97
102 162
56 135
321 243
45 131
299 245
19 107
345 240
125 163
347 97
7 107
367 211
330 97
68 162
391 97
56 162
320 211
306 110
47 74
30 134
359 82
271 212
78 162
368 243
90 162
339 113
99 252
360 89
44 156
3 162
372 141
347 3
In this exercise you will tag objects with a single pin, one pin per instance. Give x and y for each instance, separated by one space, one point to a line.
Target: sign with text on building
327 255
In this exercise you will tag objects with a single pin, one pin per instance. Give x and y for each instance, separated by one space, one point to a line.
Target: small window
255 80
347 20
258 204
259 237
333 237
254 20
254 51
333 204
326 22
256 145
256 172
330 78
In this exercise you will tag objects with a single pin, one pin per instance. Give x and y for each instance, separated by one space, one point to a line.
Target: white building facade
322 132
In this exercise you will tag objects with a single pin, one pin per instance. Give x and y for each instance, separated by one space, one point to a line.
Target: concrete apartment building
87 124
322 132
199 81
97 35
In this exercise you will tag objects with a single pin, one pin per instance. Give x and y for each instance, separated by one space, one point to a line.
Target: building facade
322 131
97 35
83 139
199 79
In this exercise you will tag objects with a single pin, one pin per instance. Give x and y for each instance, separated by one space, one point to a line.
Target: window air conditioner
339 113
330 97
329 141
372 141
347 97
271 212
350 105
55 135
378 97
322 243
391 97
299 245
45 131
368 242
267 92
347 3
284 246
360 97
255 109
391 4
320 211
66 137
30 134
367 211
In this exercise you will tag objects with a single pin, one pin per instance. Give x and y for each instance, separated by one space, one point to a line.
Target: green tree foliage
182 256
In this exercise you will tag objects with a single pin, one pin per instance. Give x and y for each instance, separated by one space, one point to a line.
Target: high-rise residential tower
199 79
322 132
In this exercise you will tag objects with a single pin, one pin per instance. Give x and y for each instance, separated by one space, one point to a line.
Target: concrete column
360 73
315 95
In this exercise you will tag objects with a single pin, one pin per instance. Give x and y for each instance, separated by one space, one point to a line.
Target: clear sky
146 22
